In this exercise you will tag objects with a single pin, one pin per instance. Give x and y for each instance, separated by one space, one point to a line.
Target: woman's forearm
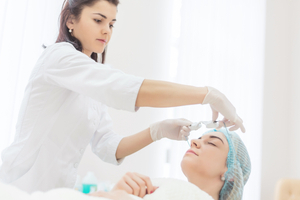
155 93
133 143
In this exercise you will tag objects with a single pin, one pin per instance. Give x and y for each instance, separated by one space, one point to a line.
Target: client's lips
191 151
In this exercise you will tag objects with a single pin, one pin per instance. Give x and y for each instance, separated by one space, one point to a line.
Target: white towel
8 192
169 189
174 189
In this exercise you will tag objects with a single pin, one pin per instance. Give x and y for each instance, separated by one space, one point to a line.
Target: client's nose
195 143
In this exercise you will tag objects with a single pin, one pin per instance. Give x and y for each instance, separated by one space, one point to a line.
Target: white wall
295 91
139 46
280 156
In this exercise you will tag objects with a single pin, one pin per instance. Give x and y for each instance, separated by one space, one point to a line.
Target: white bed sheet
169 189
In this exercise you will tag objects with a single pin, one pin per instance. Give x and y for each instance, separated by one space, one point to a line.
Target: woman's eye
111 26
212 144
97 20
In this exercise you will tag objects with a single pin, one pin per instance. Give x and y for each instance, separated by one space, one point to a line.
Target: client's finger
131 186
122 185
135 188
138 183
149 185
141 189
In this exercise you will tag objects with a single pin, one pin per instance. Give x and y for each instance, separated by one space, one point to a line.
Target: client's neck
208 185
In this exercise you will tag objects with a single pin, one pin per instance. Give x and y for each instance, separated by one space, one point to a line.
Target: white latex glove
220 104
175 129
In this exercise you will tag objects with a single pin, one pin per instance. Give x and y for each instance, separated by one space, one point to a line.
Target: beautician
65 104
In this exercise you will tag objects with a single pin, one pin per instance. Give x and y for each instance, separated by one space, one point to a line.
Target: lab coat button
75 165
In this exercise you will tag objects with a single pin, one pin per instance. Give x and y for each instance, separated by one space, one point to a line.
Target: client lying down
217 167
217 163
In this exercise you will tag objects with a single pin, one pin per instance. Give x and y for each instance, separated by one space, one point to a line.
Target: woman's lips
101 40
191 151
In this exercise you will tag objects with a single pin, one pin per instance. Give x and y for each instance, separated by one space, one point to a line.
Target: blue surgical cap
238 164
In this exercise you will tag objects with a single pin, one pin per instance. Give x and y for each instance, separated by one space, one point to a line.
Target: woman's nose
106 30
195 143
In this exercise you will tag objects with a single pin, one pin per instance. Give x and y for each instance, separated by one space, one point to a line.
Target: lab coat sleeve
105 142
68 68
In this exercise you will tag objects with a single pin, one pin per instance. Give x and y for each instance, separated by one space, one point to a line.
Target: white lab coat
64 108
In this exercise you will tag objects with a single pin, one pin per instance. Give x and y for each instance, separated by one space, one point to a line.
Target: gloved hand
220 104
175 129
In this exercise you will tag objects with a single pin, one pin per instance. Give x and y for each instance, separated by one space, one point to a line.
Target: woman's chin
98 50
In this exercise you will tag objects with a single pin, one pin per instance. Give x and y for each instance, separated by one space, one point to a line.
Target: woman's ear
224 171
223 177
223 174
71 22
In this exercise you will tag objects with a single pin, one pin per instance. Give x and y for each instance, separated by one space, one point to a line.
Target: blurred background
249 50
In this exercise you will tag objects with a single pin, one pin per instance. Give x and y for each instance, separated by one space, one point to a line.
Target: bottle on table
89 183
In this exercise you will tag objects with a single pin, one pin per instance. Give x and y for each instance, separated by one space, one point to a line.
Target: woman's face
206 157
94 28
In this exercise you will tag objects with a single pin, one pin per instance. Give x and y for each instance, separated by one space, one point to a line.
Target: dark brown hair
75 7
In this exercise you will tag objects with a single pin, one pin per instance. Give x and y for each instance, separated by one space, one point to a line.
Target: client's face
207 157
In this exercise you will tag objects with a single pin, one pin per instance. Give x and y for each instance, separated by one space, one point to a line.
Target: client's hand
115 195
175 129
136 184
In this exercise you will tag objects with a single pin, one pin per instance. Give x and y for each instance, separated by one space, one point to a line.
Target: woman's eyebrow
104 16
212 136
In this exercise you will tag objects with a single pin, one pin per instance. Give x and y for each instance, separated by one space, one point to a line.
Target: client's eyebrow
104 16
212 136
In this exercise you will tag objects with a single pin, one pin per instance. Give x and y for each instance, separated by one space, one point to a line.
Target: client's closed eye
212 144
